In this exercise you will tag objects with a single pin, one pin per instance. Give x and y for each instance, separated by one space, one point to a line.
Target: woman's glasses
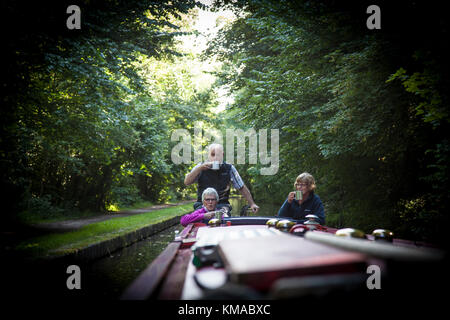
301 184
210 200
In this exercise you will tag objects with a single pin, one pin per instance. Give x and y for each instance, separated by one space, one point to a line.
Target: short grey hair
209 191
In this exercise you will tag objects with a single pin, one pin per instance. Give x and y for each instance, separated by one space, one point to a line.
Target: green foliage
424 85
87 123
87 115
308 69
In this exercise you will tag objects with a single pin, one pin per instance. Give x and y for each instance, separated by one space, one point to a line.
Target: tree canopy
365 111
87 115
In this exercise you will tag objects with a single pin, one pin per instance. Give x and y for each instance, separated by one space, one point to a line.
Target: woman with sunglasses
210 197
303 201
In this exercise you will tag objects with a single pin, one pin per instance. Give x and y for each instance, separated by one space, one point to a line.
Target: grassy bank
62 243
51 214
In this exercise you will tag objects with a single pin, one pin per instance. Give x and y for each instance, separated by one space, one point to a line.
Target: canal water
108 277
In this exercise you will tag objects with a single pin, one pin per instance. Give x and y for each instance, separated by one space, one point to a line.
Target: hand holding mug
206 165
209 215
291 196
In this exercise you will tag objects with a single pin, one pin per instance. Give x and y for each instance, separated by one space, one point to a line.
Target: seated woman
308 204
210 197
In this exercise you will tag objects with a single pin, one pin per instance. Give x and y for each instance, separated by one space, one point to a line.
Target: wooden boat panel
172 285
258 262
143 287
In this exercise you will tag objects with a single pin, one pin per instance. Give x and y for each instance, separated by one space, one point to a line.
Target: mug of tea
215 165
298 195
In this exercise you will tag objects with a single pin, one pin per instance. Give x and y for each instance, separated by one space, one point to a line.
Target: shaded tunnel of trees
87 115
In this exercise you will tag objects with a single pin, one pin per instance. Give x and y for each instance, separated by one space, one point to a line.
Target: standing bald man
219 179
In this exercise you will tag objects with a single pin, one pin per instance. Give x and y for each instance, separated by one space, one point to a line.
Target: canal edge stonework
106 247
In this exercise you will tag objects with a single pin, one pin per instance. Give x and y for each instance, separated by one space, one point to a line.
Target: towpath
70 225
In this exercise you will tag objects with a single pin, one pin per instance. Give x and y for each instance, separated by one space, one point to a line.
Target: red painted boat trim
172 286
165 277
144 286
184 234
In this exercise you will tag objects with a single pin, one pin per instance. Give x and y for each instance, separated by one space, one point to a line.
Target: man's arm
192 176
238 184
248 196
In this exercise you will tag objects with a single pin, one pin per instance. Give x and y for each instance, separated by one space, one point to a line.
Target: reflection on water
108 277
